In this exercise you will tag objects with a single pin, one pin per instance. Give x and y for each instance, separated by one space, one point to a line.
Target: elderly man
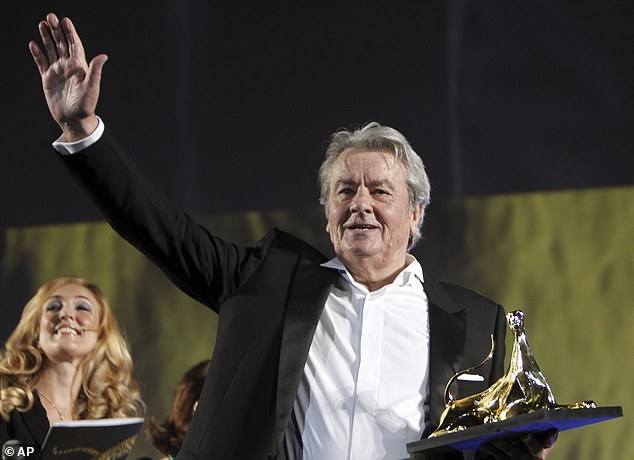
314 359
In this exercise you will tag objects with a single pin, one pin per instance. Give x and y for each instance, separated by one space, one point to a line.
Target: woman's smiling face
69 323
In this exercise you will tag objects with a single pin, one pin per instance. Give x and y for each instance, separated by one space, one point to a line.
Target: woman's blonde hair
107 388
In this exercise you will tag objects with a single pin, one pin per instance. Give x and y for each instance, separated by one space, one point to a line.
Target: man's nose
362 201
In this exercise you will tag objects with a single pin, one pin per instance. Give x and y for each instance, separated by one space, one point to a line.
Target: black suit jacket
27 427
269 298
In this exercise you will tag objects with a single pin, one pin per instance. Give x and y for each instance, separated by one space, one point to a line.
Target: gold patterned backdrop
565 258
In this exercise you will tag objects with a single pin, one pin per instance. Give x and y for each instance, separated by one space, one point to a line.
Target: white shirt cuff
68 148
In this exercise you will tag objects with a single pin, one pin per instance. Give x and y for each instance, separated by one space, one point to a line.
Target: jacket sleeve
204 266
4 432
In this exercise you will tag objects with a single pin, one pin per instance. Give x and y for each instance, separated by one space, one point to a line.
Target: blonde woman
65 360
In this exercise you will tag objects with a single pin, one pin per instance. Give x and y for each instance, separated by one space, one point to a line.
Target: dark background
228 107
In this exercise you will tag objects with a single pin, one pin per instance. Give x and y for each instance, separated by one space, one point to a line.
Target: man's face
368 207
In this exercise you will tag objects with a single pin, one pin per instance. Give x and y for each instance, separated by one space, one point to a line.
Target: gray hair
374 136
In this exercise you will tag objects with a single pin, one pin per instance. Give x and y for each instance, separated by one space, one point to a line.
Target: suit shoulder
465 296
287 242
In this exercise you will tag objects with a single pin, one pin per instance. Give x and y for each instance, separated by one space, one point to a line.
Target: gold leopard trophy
523 389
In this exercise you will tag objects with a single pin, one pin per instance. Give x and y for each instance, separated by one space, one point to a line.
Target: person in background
168 436
65 360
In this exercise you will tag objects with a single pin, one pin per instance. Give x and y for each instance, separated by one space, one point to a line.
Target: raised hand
71 85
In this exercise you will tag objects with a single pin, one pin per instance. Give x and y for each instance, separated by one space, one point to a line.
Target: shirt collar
411 272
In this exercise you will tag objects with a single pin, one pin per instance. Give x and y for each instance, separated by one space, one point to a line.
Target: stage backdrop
564 257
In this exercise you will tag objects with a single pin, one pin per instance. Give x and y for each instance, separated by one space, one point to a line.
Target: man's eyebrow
372 183
380 182
348 182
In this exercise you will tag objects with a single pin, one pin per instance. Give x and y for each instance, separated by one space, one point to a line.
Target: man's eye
346 191
379 191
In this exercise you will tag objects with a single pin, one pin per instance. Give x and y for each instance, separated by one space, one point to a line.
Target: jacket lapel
310 288
35 421
447 338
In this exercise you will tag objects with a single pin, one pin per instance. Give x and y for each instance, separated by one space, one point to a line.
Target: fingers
75 46
529 446
533 445
94 71
38 57
54 39
550 438
508 448
61 45
60 41
47 40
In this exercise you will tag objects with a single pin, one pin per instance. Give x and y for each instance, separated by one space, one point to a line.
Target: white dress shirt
68 148
367 375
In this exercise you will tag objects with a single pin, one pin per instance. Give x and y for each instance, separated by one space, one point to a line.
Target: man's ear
327 220
417 217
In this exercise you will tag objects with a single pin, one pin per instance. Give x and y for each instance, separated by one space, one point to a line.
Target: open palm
71 85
